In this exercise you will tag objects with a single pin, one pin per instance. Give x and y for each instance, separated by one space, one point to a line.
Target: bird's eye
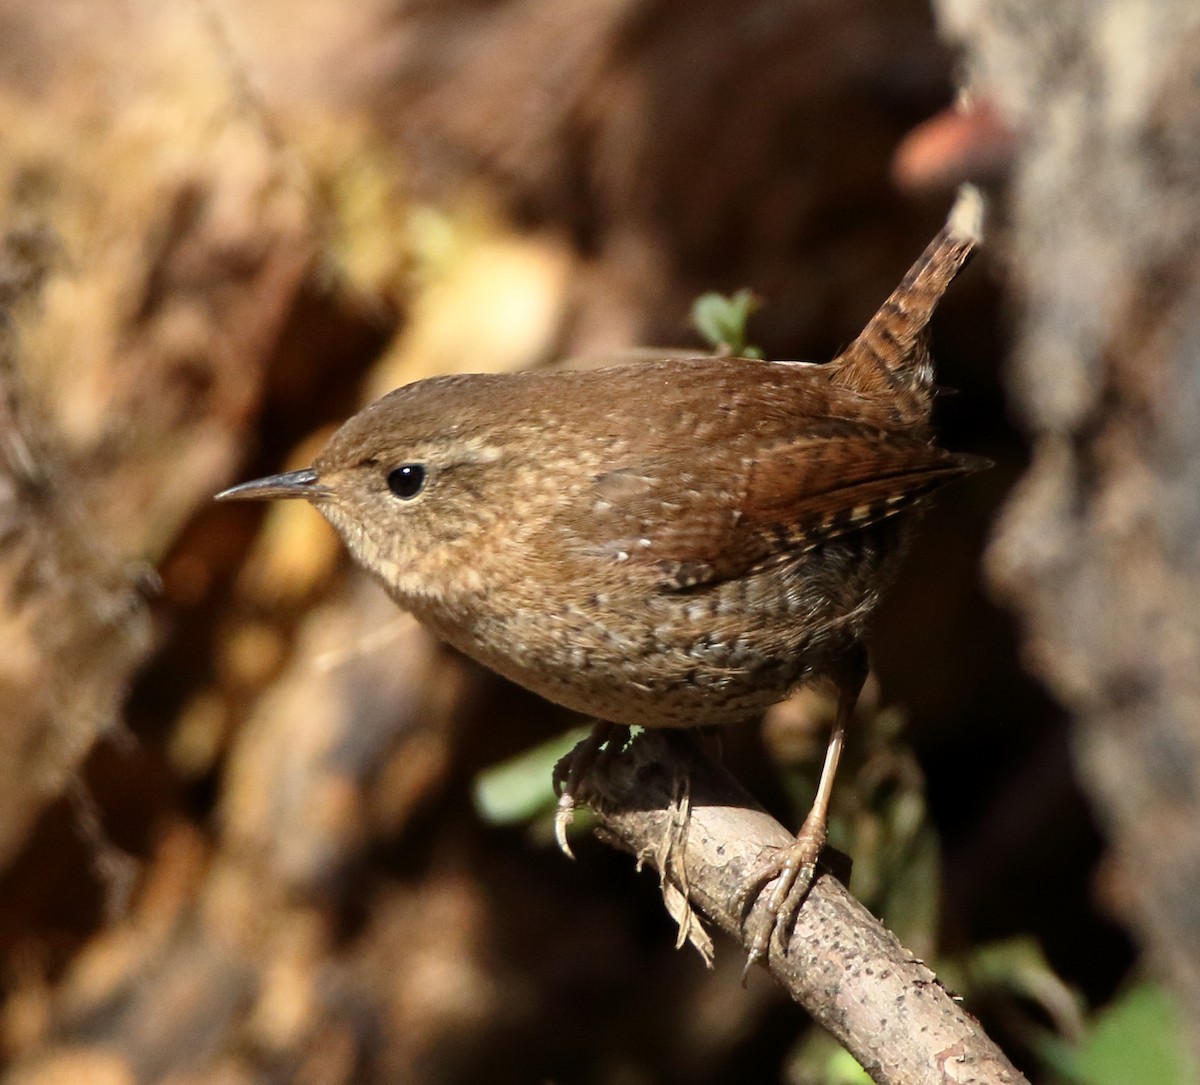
407 480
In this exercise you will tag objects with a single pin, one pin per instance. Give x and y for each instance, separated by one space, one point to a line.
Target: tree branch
663 801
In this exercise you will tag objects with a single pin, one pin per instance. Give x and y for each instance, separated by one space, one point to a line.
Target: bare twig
842 965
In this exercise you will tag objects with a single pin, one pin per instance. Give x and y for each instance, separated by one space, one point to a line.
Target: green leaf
820 1060
721 322
521 788
1138 1038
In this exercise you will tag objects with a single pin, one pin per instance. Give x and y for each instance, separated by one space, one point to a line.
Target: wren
669 543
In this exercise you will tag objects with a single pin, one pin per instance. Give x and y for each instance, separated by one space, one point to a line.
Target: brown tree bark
1099 549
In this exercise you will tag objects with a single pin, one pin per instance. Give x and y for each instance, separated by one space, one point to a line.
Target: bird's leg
570 772
793 869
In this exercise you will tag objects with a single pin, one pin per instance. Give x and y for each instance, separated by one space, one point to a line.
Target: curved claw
564 814
568 773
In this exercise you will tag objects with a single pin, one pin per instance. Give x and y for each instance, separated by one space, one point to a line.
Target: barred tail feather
890 355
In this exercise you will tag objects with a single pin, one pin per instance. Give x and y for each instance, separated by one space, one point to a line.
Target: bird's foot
788 875
572 769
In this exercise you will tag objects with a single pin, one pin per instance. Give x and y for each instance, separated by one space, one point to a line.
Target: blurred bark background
1099 550
240 837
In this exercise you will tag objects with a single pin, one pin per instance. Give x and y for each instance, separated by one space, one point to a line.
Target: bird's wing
713 514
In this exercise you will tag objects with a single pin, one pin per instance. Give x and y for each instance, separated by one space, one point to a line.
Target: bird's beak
304 484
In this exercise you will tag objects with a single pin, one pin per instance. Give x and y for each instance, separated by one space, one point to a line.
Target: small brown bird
671 543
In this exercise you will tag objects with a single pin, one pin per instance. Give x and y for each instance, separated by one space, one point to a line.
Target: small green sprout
721 321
